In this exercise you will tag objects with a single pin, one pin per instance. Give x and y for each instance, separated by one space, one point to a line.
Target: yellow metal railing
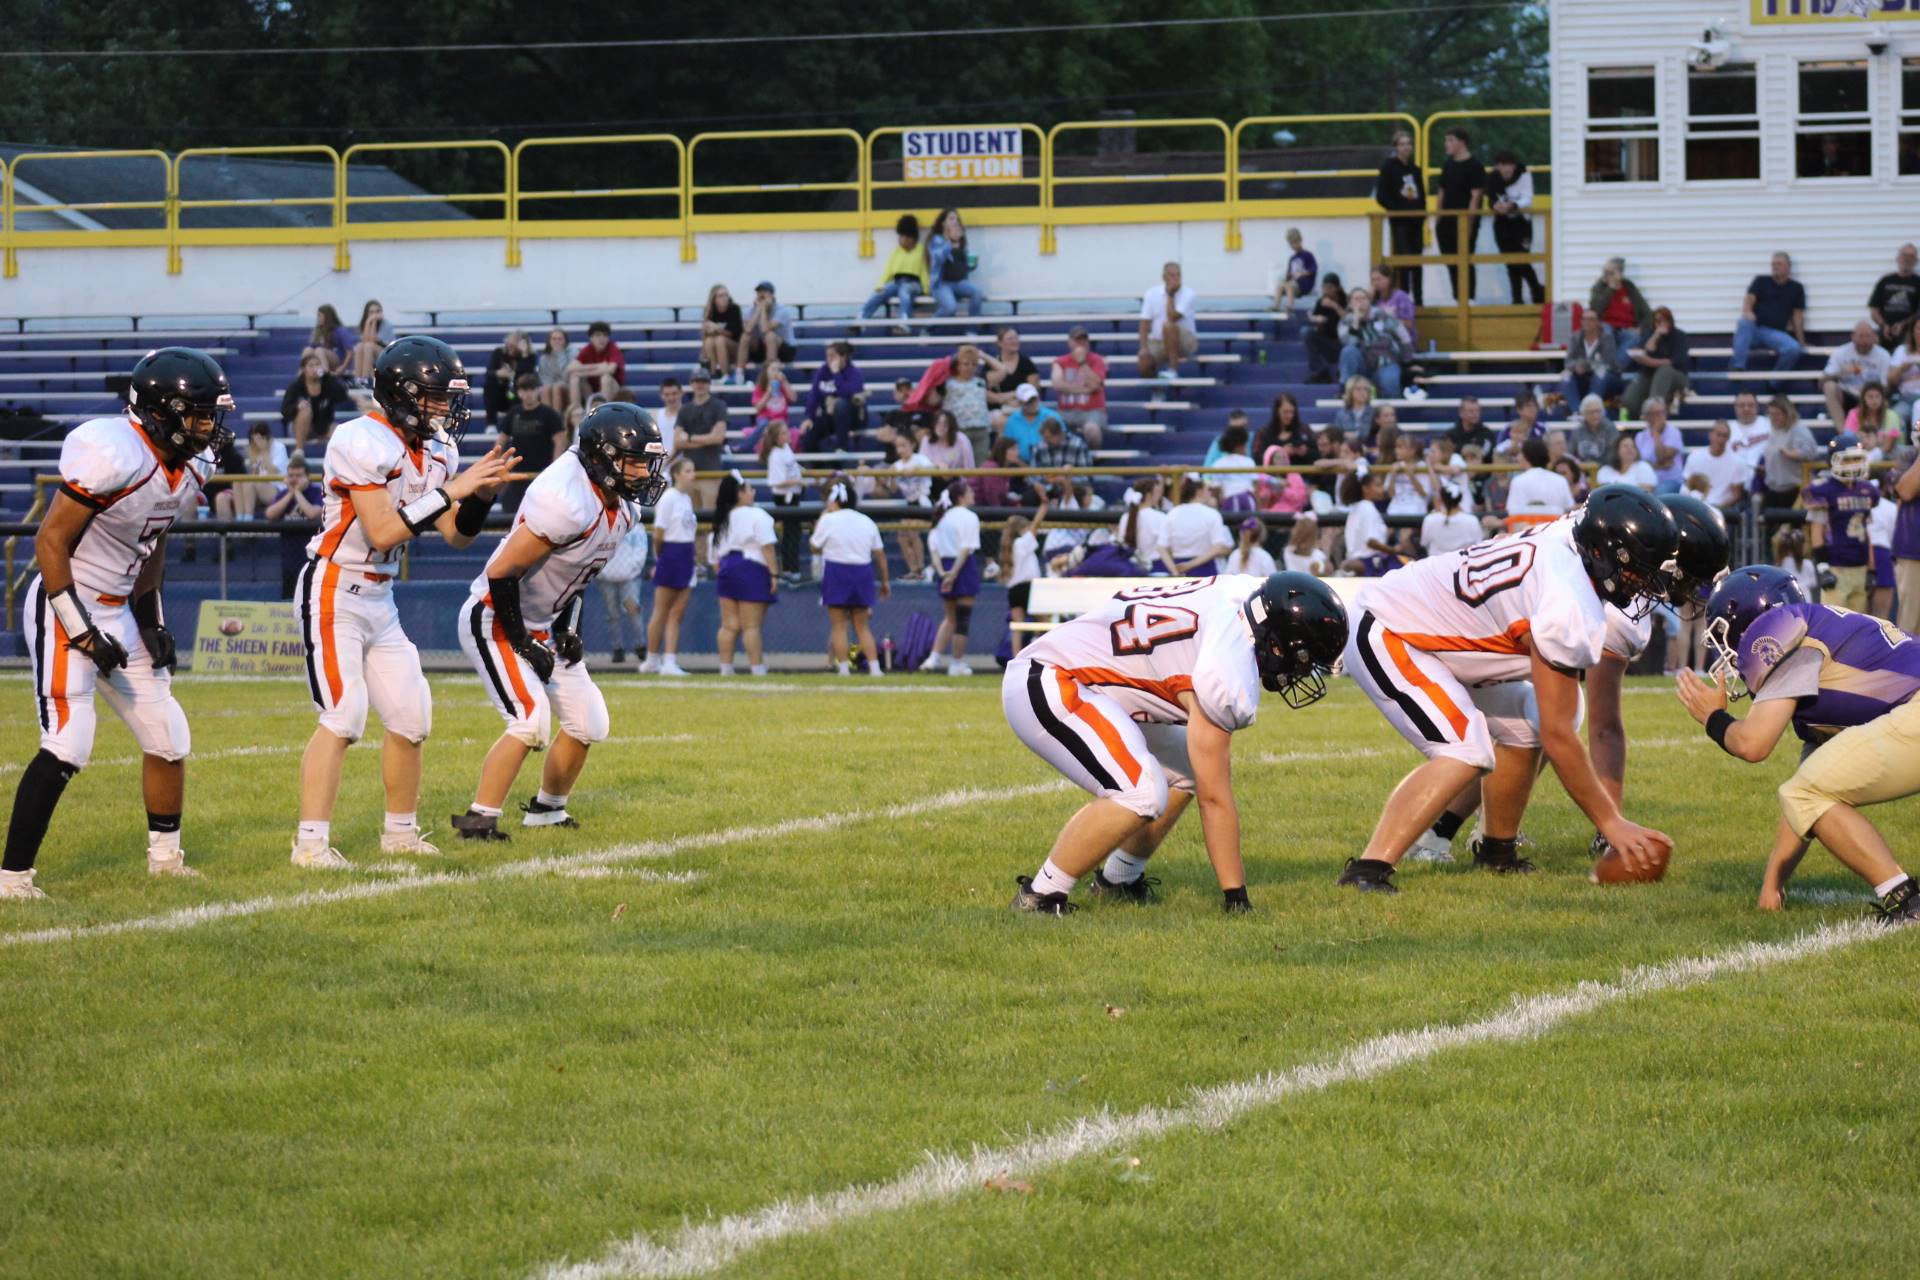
435 228
333 233
523 228
799 221
1389 121
148 237
1169 211
978 215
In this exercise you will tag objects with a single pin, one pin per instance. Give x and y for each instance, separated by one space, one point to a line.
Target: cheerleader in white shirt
1250 556
1143 526
955 543
855 574
674 529
787 483
743 539
1020 564
1195 536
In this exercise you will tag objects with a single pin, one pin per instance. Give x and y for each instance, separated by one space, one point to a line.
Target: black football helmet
1299 632
412 371
1741 597
1700 560
611 435
180 396
1626 539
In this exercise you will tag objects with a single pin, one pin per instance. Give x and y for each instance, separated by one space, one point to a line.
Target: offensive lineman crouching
124 481
520 624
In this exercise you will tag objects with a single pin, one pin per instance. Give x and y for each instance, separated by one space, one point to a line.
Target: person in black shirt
307 405
1773 314
1896 300
1402 188
1463 185
1323 337
1470 429
534 431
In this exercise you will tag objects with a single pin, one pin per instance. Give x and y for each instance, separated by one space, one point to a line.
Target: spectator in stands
1250 556
1874 420
900 418
1449 526
535 431
505 364
1195 537
667 416
836 402
1303 553
1510 194
1401 190
916 490
1235 418
1167 329
1409 481
1236 490
1386 429
1026 424
1790 553
1628 468
1895 301
1007 368
299 498
1080 387
1396 302
1661 358
618 584
965 393
1538 494
904 278
1506 450
374 333
1903 382
745 581
1355 414
1369 545
1322 339
1661 443
1852 366
1556 446
1302 270
599 366
1575 475
1285 440
1059 447
675 527
1591 364
1773 314
332 339
1724 471
1002 491
1447 467
264 456
1620 306
1373 342
700 433
721 328
1468 429
772 398
955 544
1463 187
788 485
1751 431
1906 543
766 332
948 447
949 266
555 358
308 405
1790 442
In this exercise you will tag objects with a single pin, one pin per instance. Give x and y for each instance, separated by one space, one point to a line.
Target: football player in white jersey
390 476
1194 653
92 615
1513 715
1436 639
520 626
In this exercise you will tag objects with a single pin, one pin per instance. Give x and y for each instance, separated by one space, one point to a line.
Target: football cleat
1138 891
1431 847
959 669
413 842
1027 898
478 826
672 668
318 857
1506 864
18 886
1900 906
1369 875
541 815
171 863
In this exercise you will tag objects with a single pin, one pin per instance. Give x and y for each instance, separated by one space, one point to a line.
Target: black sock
41 783
1448 825
162 822
1498 849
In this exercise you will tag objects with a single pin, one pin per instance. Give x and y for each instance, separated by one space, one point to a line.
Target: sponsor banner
249 637
961 155
1806 11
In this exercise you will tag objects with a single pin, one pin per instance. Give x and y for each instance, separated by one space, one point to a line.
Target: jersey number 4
1145 627
1491 568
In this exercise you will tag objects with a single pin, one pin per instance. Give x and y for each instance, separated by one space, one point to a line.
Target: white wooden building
1694 140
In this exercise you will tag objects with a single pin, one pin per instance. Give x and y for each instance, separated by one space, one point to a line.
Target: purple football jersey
1868 666
1847 504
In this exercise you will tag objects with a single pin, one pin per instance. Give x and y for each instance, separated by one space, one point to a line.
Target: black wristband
1717 725
472 515
146 610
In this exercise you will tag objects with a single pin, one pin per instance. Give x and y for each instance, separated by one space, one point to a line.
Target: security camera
1876 47
1709 53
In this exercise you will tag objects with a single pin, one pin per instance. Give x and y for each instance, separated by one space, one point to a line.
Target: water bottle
886 654
1263 355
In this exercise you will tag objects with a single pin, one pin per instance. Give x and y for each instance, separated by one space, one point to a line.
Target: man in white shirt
669 411
1727 472
1537 495
1167 333
1851 367
1750 431
1903 380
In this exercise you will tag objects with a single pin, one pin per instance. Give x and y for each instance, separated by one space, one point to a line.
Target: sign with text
961 155
1835 10
249 637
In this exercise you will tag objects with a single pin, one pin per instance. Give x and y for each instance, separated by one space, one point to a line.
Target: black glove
71 613
538 656
568 648
108 654
160 647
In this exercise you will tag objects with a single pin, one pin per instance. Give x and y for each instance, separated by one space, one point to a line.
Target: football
1611 868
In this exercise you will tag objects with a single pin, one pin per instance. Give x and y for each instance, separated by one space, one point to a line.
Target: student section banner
249 637
961 155
1782 11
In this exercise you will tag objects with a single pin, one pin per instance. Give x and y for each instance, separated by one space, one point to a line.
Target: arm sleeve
1797 677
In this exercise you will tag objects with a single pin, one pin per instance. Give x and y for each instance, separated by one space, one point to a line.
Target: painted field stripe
212 912
699 1249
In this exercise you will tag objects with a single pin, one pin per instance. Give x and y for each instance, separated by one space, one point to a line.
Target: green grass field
777 963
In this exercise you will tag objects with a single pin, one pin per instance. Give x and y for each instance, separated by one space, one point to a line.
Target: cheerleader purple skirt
744 579
965 583
674 568
848 586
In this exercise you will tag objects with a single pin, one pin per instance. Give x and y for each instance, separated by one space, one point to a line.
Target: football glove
108 653
568 647
537 656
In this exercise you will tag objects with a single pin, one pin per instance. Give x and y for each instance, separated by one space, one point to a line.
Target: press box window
1833 133
1910 117
1723 124
1623 125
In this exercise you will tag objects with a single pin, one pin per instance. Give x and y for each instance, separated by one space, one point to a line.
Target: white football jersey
111 467
1483 609
371 453
1148 645
1627 638
568 510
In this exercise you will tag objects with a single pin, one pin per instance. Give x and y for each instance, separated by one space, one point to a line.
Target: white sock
163 842
401 822
550 800
844 668
1051 879
315 832
757 669
1882 890
874 670
1123 868
484 810
668 660
726 668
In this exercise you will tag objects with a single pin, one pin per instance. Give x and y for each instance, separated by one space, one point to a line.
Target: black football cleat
1234 902
1901 905
541 815
1501 862
1027 898
1139 891
1369 875
478 826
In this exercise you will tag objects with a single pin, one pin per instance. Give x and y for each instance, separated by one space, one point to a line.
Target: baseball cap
700 374
1251 525
1078 331
1026 391
764 284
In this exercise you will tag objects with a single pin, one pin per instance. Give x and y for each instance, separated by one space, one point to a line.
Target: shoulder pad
1769 640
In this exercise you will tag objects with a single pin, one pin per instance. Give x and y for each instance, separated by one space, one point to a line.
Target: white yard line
698 1249
371 742
641 874
193 917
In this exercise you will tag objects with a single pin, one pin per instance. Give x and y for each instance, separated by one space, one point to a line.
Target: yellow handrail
977 215
1226 177
334 233
678 226
161 237
442 228
815 221
1424 141
1247 207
